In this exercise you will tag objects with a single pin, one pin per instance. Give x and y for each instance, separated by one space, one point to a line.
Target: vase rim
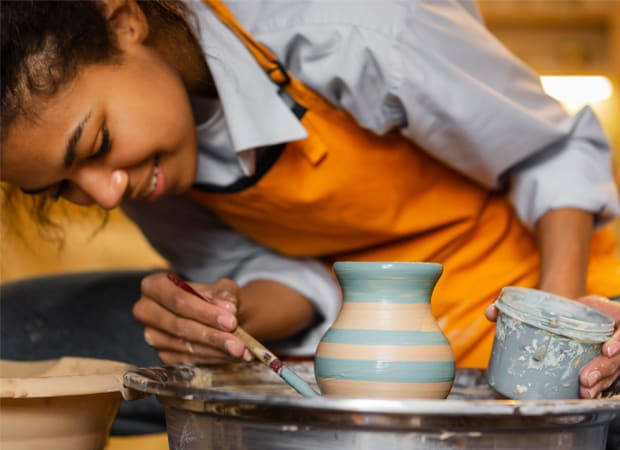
388 266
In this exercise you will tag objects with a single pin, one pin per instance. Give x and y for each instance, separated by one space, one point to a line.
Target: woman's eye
104 146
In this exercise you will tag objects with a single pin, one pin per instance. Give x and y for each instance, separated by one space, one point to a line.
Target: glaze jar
385 343
541 343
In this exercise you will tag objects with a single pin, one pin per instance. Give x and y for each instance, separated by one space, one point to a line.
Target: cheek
23 163
152 127
21 167
155 118
132 143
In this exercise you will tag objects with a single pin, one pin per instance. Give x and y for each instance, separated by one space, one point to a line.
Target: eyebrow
70 152
73 140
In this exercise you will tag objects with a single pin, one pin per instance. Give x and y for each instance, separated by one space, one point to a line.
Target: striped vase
385 342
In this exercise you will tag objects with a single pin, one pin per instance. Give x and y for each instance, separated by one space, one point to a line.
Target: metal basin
246 406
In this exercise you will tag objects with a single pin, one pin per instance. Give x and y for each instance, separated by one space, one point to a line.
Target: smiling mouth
153 184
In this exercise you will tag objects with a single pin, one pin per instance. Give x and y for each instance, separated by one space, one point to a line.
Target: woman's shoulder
264 17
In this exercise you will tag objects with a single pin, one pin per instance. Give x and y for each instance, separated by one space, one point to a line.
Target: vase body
385 343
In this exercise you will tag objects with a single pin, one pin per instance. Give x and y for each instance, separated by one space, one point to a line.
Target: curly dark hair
46 43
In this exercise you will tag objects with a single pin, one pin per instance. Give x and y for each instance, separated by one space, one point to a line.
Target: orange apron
344 193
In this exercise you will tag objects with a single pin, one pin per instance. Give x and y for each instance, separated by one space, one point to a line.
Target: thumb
491 312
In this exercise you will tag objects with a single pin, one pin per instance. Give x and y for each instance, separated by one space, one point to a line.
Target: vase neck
371 282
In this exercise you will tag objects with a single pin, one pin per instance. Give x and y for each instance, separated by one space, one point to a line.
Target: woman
328 131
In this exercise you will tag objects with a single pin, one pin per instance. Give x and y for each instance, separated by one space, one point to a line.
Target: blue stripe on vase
383 337
384 371
397 292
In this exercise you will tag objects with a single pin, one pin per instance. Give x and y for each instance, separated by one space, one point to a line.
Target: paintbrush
257 349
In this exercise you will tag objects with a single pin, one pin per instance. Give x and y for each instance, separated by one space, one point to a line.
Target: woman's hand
602 371
183 328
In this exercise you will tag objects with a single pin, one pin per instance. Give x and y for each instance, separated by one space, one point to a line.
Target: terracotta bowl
66 403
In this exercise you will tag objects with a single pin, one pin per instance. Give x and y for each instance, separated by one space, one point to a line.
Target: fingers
224 293
195 339
611 348
183 304
185 358
157 317
175 350
185 328
491 312
598 375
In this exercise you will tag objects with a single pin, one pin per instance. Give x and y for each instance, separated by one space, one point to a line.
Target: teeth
151 188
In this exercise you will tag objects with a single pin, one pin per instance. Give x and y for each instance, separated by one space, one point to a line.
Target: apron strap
265 58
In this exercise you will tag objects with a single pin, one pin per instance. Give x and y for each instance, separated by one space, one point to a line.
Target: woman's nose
104 187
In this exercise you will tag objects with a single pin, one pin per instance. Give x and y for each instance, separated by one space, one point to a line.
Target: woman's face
117 131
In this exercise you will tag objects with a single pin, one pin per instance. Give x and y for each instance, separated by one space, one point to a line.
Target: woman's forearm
564 237
270 310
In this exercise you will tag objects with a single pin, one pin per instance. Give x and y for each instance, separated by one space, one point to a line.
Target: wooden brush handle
257 349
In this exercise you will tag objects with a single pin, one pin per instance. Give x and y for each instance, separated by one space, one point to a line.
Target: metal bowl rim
474 407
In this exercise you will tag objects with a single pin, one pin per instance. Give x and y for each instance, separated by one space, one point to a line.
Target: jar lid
555 314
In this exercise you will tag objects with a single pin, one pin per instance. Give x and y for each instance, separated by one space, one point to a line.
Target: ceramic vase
385 343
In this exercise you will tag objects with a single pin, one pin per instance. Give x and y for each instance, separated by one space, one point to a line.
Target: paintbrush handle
272 361
180 282
259 350
263 354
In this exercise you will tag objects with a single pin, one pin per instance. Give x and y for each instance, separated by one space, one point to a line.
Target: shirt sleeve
574 173
438 74
204 249
482 111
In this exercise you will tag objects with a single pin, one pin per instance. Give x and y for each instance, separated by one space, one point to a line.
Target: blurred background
573 44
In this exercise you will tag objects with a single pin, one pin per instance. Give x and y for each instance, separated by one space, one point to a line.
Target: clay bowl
66 403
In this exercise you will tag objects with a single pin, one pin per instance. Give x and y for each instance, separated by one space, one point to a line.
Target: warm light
576 91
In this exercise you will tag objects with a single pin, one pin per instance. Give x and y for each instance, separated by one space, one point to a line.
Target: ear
128 21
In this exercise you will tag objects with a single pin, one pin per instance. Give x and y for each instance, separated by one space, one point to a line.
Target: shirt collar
256 116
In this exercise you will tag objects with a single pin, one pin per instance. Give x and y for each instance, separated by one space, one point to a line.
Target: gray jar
541 343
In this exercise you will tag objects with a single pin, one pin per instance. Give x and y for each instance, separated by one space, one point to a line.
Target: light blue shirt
428 68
